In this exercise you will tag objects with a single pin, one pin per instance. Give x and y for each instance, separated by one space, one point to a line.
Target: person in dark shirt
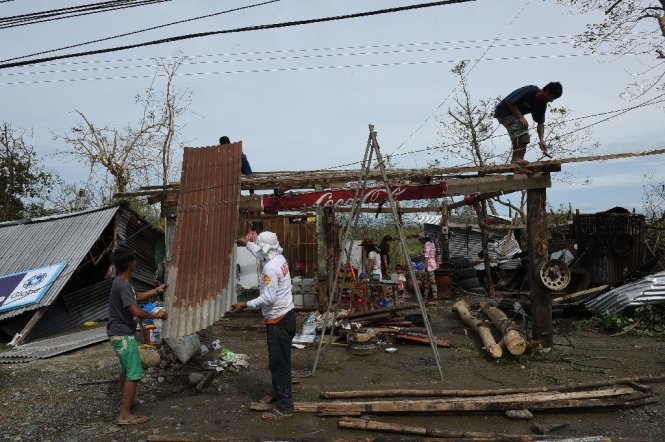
526 100
245 168
121 329
384 252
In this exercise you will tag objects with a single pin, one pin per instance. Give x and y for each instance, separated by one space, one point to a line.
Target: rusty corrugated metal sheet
610 245
201 276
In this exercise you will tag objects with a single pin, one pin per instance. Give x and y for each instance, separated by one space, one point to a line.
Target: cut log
513 339
482 328
384 427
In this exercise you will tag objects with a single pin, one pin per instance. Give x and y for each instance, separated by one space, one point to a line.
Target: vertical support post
445 245
541 298
481 212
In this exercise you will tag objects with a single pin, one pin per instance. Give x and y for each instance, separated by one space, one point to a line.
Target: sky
301 98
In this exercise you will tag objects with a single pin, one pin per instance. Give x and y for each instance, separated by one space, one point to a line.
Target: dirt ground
41 400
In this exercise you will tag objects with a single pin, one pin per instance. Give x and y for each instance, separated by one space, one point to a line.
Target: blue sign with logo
28 287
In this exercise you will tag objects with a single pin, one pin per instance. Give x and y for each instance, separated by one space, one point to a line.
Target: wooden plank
30 325
394 392
582 294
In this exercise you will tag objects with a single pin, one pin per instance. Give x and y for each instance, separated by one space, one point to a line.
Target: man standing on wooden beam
526 100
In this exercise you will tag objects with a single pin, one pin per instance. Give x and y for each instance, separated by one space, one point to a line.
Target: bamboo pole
539 400
513 340
354 394
482 328
586 399
385 427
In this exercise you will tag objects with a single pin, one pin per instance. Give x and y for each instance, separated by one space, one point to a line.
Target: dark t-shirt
524 99
121 321
384 250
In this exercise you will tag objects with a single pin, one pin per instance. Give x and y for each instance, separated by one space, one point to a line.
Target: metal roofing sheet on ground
649 290
53 346
45 241
202 275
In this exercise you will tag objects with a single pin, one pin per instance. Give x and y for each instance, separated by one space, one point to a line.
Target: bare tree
629 27
120 158
470 130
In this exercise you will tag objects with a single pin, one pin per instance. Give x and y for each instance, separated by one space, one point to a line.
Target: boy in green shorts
121 329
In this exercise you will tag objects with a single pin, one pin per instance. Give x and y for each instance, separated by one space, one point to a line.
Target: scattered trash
391 350
216 344
204 350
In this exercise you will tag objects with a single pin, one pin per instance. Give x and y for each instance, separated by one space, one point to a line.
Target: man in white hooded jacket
276 303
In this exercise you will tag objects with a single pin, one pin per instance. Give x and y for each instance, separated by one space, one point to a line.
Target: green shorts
127 350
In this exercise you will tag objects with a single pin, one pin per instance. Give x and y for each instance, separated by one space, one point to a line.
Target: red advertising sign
345 197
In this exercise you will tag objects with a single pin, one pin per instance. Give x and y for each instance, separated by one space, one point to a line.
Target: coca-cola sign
345 197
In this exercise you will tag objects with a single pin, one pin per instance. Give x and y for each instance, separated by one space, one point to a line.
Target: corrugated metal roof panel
52 347
202 275
45 241
650 290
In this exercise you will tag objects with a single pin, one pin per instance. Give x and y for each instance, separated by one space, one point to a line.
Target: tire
460 262
466 273
469 283
478 290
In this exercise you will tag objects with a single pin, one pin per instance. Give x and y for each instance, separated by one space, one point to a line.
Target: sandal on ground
276 414
134 420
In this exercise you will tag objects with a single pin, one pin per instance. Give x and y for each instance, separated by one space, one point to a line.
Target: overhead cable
236 30
74 11
431 114
141 30
279 58
310 68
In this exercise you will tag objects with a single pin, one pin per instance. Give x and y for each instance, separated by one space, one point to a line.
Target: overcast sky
301 98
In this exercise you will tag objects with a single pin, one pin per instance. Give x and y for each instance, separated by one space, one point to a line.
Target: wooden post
445 246
29 326
481 211
541 298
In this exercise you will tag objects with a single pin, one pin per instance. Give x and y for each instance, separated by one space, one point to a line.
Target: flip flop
135 420
276 414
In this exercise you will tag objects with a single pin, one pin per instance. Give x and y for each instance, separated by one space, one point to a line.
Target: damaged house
75 247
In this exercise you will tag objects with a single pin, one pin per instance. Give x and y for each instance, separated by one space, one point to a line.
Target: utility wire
309 68
60 14
298 50
236 30
431 114
141 30
282 58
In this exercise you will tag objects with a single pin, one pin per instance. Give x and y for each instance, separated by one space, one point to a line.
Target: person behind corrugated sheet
121 329
245 168
431 264
276 302
526 100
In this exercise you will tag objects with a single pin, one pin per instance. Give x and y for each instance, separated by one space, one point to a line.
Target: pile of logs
512 339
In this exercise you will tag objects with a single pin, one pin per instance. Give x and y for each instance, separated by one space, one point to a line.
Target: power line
237 30
310 68
141 30
297 50
429 117
284 57
74 11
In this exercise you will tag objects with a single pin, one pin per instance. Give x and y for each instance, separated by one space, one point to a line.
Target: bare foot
132 419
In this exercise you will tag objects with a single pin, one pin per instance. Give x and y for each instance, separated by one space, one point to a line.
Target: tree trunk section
513 339
482 328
